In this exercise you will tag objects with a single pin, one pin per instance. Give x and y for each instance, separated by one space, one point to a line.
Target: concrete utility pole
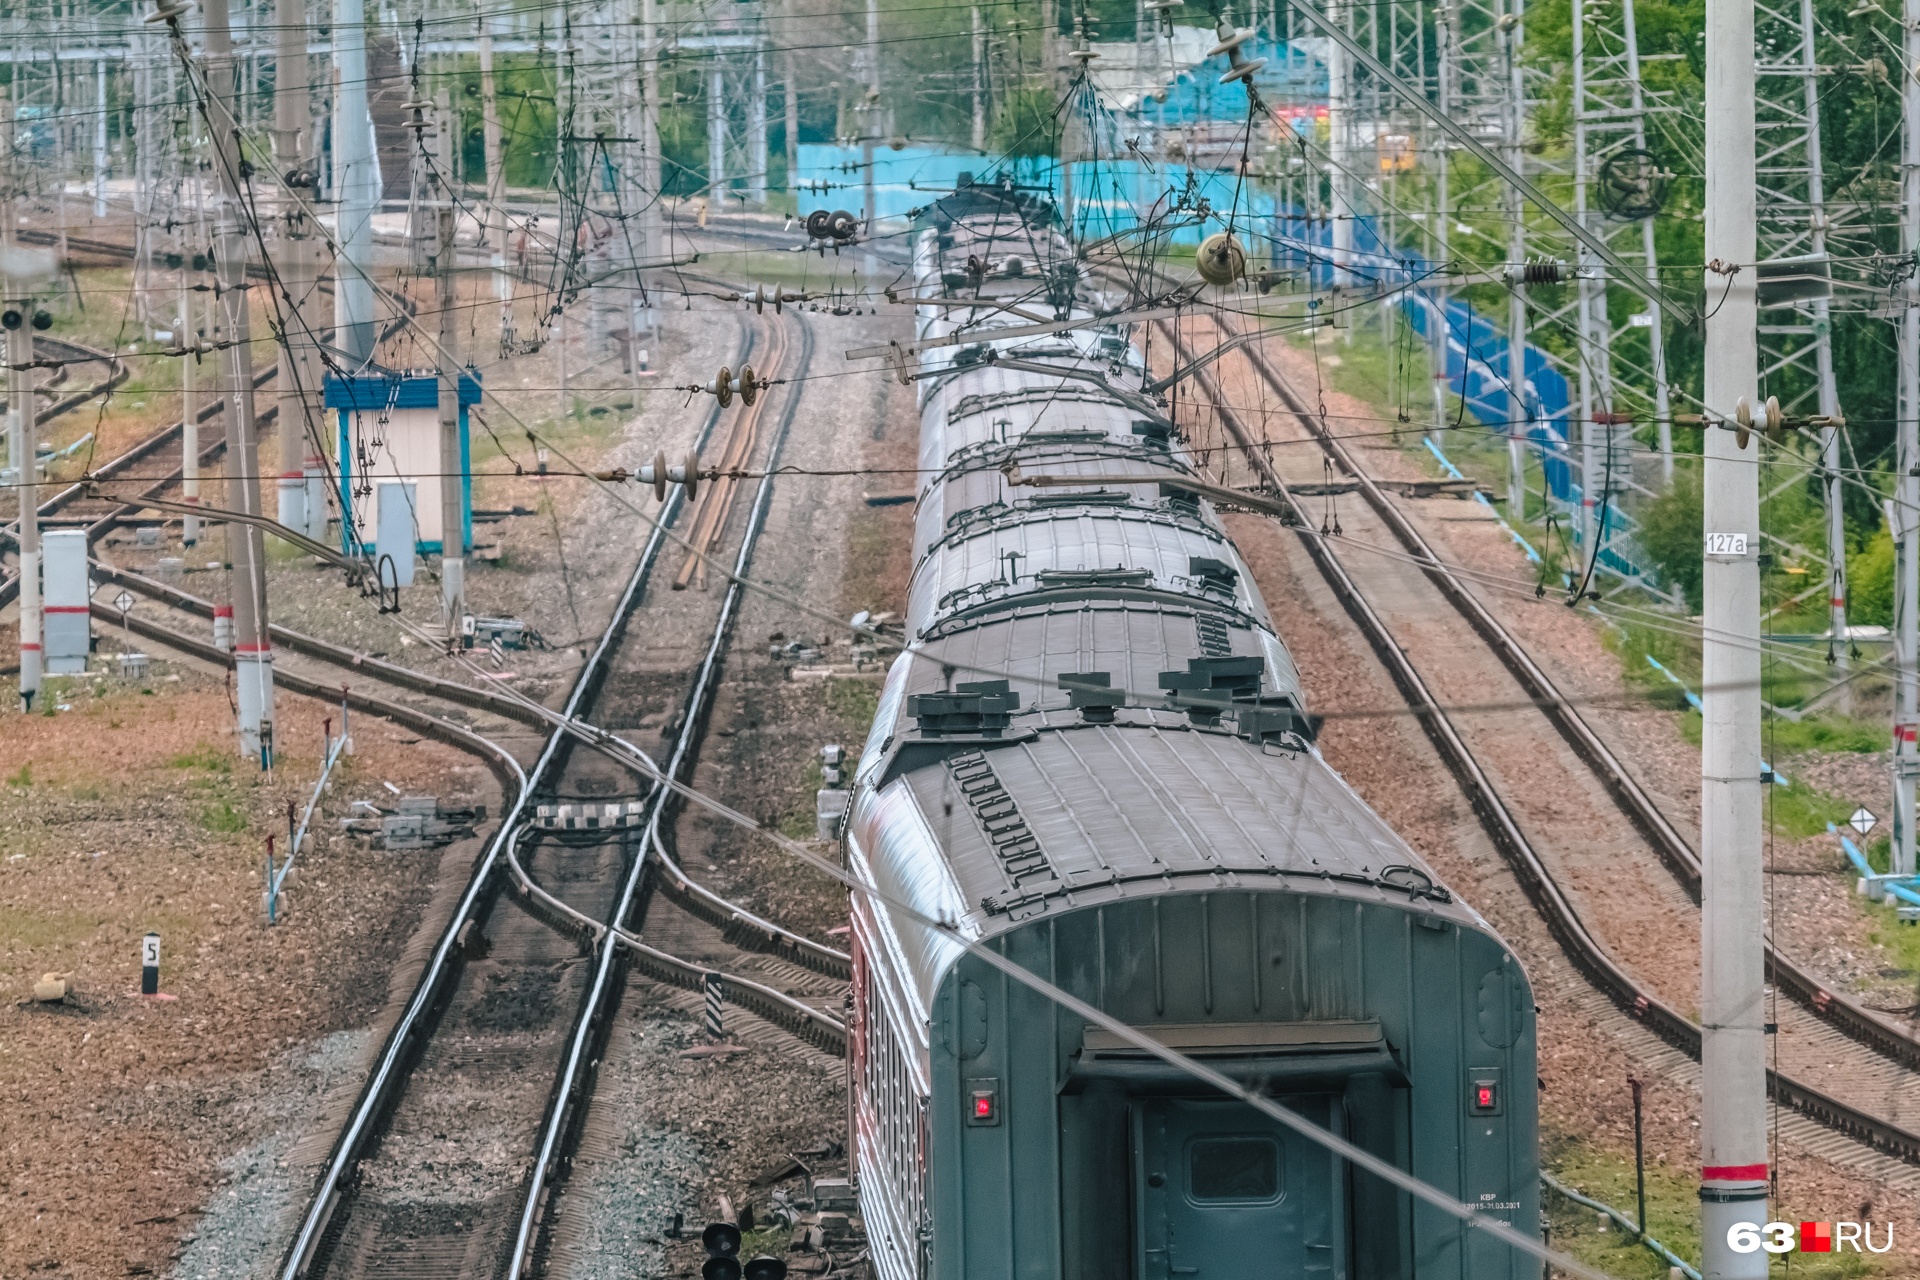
979 136
790 87
252 644
494 232
1438 342
1519 408
453 557
757 126
1340 151
301 413
870 122
1733 1132
716 130
99 136
1906 494
356 170
189 407
20 427
653 244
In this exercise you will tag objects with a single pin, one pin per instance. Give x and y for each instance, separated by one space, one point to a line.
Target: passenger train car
1096 757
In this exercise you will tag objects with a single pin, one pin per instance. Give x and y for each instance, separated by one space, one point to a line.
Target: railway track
1856 1074
502 976
681 917
517 995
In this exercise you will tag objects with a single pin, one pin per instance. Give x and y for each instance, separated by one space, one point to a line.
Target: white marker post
150 965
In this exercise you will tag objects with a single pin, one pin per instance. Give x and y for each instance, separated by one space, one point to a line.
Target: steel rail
1839 1010
795 1017
573 1085
448 731
1542 889
338 655
117 374
132 457
380 1091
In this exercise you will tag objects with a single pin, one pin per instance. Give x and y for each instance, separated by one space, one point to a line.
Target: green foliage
1870 582
1670 533
1026 125
23 777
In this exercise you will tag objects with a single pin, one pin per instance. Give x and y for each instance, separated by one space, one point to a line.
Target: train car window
1233 1169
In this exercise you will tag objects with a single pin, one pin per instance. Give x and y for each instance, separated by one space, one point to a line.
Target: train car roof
1069 815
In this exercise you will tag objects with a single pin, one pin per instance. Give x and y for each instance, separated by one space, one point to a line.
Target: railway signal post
1733 1133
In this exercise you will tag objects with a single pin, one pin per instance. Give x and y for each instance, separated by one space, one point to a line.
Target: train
1095 757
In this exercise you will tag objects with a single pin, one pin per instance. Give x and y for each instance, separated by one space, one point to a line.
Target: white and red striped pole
1733 1092
20 384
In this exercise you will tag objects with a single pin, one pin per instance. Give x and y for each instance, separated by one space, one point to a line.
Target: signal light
42 320
765 1268
11 318
983 1102
721 1240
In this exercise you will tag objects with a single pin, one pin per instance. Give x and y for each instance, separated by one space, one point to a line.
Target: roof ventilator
1157 434
1211 574
1210 687
1095 578
982 708
1180 498
1092 694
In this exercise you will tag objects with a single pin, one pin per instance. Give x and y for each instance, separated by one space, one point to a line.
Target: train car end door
1224 1193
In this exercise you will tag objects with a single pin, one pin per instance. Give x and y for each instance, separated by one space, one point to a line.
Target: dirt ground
129 810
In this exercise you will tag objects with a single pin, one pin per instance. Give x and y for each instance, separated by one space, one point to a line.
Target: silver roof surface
966 572
1132 641
1128 810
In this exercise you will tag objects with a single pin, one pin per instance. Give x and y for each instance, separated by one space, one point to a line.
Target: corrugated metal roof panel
1156 807
1133 641
965 572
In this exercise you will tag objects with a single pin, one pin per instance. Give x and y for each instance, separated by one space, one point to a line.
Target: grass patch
1824 733
21 777
203 756
1673 1218
803 823
1803 811
857 701
1902 940
1673 1211
221 817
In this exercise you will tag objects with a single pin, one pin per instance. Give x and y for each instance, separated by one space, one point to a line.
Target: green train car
1096 758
